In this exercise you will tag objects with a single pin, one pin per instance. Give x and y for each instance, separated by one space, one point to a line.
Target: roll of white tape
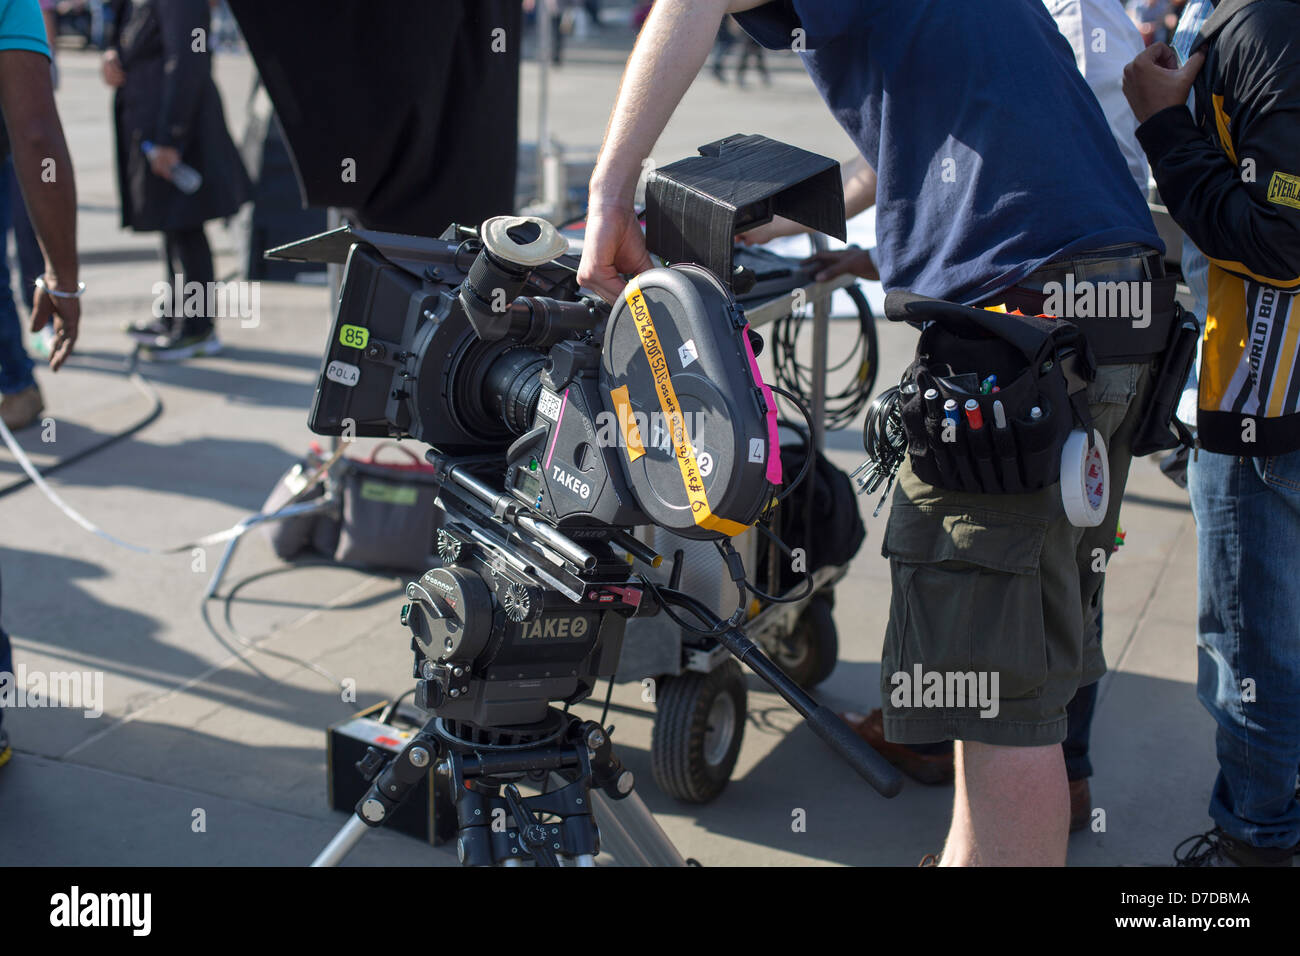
1085 479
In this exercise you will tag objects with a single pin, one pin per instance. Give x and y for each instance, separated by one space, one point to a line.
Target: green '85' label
354 336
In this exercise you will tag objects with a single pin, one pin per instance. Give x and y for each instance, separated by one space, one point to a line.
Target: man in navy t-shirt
996 173
981 131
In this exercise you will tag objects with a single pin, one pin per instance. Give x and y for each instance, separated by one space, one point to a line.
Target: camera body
593 420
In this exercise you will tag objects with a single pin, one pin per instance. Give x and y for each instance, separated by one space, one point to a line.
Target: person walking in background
159 63
1150 15
39 149
751 49
722 45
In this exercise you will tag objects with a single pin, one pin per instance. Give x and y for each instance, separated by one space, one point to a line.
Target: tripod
474 738
557 827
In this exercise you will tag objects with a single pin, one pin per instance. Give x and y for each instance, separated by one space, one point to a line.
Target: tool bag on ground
385 516
1010 440
389 518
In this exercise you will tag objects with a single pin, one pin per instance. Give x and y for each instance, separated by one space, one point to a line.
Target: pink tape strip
773 441
555 436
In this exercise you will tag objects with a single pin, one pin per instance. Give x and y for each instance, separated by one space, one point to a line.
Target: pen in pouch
933 407
1004 445
981 446
961 455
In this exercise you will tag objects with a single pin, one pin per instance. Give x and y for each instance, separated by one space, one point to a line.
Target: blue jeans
1247 514
15 363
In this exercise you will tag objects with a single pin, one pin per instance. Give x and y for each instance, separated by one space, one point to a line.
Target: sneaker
21 408
178 347
150 332
1216 848
6 752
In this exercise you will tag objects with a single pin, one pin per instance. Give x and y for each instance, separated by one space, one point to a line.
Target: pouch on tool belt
1039 362
1160 429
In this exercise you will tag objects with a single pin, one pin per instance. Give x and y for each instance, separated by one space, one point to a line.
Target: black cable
807 436
388 712
884 439
455 256
98 446
250 645
841 407
763 595
609 694
720 628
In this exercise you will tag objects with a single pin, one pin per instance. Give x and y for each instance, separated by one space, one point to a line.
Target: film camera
558 425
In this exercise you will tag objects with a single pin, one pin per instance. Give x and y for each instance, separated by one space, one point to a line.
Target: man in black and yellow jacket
1230 175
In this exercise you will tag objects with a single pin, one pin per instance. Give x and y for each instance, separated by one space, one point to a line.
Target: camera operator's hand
778 228
614 244
64 312
854 260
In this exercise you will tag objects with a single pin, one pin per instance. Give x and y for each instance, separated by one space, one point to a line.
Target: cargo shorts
995 599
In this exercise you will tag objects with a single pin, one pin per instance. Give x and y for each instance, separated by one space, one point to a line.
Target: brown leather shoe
929 769
1080 804
21 408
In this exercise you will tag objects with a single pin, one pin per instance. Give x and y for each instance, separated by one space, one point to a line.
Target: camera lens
512 385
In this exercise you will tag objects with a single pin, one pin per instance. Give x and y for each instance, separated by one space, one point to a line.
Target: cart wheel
808 653
697 732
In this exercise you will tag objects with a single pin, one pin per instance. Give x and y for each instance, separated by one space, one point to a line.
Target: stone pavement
194 719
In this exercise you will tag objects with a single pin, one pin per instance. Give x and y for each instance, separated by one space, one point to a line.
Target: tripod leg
339 847
631 833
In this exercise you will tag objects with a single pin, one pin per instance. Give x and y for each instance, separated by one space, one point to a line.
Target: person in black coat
158 61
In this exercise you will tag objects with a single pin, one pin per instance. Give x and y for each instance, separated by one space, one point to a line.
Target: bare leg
1011 807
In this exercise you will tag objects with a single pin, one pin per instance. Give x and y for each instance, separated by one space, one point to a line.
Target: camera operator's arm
859 195
44 171
673 46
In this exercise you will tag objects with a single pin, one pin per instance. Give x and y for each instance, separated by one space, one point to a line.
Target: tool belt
1115 340
1169 337
1005 441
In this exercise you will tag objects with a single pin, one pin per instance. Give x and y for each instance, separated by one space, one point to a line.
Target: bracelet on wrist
41 284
